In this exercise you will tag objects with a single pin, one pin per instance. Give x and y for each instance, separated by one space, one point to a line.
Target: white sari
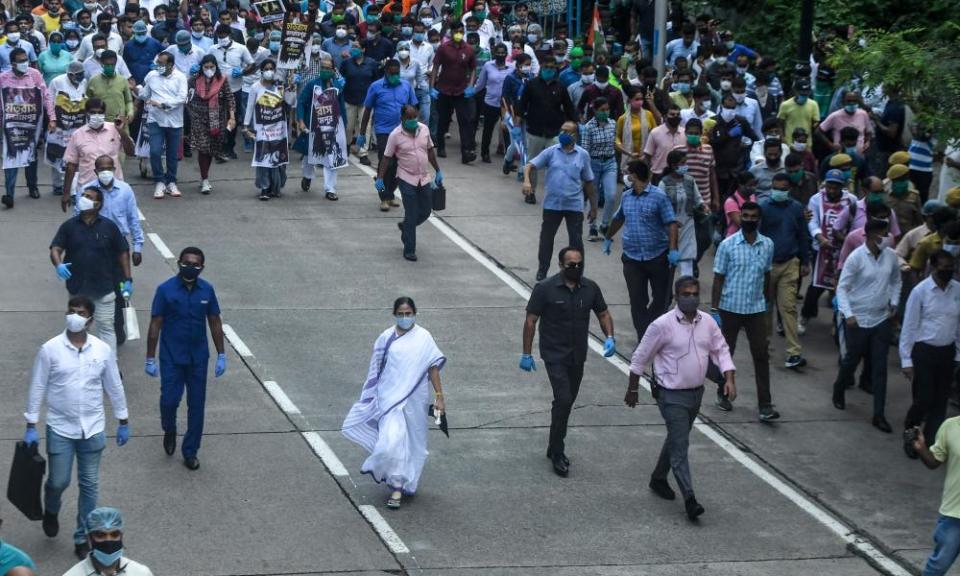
390 419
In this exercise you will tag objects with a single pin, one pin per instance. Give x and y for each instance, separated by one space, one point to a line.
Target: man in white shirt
114 40
930 345
71 372
186 54
867 296
94 64
747 107
165 94
105 532
234 60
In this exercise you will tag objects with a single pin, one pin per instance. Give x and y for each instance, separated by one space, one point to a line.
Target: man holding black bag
71 372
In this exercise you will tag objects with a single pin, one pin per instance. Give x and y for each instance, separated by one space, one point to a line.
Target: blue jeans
160 137
60 453
946 539
10 177
417 206
174 378
605 176
423 97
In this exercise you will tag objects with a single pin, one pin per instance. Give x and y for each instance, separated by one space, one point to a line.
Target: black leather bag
439 197
26 480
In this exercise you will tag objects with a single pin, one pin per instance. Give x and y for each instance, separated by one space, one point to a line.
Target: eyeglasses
573 265
194 266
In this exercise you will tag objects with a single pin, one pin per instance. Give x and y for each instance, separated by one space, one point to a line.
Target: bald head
874 184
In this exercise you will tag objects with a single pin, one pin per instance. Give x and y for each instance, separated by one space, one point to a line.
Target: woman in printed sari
390 419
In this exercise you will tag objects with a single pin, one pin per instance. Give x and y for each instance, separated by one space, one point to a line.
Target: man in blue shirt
13 561
386 99
649 245
569 179
359 72
13 42
183 306
140 51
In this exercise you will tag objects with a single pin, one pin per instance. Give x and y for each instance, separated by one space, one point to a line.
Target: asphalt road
306 285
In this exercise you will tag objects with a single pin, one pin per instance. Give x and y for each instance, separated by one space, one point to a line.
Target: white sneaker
159 190
173 190
801 327
205 187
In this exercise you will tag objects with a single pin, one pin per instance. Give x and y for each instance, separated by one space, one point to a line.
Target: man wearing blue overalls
183 306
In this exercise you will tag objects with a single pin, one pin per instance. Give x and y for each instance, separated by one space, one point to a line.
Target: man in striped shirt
598 138
701 165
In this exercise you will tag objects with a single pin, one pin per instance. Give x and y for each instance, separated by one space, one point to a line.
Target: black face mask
573 274
749 226
773 162
673 122
944 275
189 273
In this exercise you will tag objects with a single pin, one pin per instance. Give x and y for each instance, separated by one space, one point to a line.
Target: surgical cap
182 37
139 27
104 519
75 67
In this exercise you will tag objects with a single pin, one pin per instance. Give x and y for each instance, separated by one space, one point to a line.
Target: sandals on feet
394 500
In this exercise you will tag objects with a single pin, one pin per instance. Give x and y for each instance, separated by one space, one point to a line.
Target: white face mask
84 204
209 72
588 78
21 67
739 97
105 177
725 85
340 33
76 323
427 22
626 181
98 53
225 42
96 121
728 114
403 54
952 248
13 37
799 146
268 74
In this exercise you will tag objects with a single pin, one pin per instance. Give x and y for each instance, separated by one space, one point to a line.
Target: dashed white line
160 246
236 342
325 453
141 216
390 538
280 397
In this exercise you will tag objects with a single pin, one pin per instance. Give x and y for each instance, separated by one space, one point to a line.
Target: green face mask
602 116
796 176
410 125
575 64
900 187
875 197
393 79
325 74
693 140
337 18
109 70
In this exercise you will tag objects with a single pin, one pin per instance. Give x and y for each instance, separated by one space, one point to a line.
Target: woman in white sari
390 419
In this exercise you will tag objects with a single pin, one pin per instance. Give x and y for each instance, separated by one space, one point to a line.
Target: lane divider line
383 528
140 216
325 453
281 398
159 245
236 342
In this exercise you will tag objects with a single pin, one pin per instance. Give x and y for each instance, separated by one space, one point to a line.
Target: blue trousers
161 137
10 178
174 378
605 175
60 454
946 540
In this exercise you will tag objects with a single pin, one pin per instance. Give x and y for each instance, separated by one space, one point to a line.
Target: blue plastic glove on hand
237 72
123 434
607 244
126 288
715 314
379 185
470 91
673 257
609 347
31 436
296 78
63 270
221 366
434 93
527 363
150 367
516 132
361 141
195 69
736 131
438 179
339 83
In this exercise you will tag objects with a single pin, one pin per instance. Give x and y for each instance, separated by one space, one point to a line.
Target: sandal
394 501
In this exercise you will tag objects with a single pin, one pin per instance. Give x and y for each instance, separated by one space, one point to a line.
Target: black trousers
466 121
548 230
648 284
390 178
922 181
932 380
491 119
565 380
873 342
811 301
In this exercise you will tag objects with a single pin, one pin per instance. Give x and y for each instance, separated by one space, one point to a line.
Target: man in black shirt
563 302
87 252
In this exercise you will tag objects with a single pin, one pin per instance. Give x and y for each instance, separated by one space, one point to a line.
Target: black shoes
768 414
723 402
881 424
530 199
839 402
662 489
560 467
507 168
51 525
81 551
191 463
909 435
562 457
485 158
411 257
7 200
468 157
441 152
169 443
34 193
305 184
364 160
694 509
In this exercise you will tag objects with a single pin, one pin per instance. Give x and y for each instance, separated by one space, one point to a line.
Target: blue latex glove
434 93
609 347
834 304
153 65
339 83
736 131
607 244
673 257
516 132
470 91
31 436
527 364
296 78
195 69
126 288
715 314
221 366
361 140
63 270
150 367
123 434
438 179
379 185
237 72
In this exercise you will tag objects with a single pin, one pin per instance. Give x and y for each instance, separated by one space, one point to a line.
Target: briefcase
439 197
130 323
26 480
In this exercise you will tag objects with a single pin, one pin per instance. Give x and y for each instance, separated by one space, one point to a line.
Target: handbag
439 197
130 323
26 480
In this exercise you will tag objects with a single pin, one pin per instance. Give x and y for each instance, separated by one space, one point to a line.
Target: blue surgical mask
565 139
274 46
849 108
108 552
406 322
418 36
800 99
682 170
779 195
548 74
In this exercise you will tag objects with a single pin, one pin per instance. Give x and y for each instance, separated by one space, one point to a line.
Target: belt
604 158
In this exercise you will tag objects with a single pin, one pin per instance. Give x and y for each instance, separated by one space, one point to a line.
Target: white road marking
280 397
390 538
821 515
325 453
141 216
159 245
236 342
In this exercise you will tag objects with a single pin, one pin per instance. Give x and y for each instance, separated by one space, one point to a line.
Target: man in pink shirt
24 99
95 139
680 344
662 139
411 145
850 115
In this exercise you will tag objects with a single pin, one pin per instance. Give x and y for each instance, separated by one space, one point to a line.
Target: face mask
105 177
21 67
773 162
850 151
850 108
688 304
337 18
795 177
573 274
75 79
268 75
325 74
406 31
340 33
403 54
435 45
725 85
84 204
952 248
184 48
410 125
799 146
565 139
197 35
458 37
730 44
109 552
749 226
673 121
166 70
627 183
741 70
779 195
532 38
109 70
427 22
274 47
13 37
601 85
636 105
548 74
602 116
96 121
393 79
356 53
693 140
482 15
72 44
224 42
739 98
406 322
800 100
728 114
140 38
55 48
76 323
418 37
209 72
900 187
189 273
681 170
944 275
847 174
682 87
